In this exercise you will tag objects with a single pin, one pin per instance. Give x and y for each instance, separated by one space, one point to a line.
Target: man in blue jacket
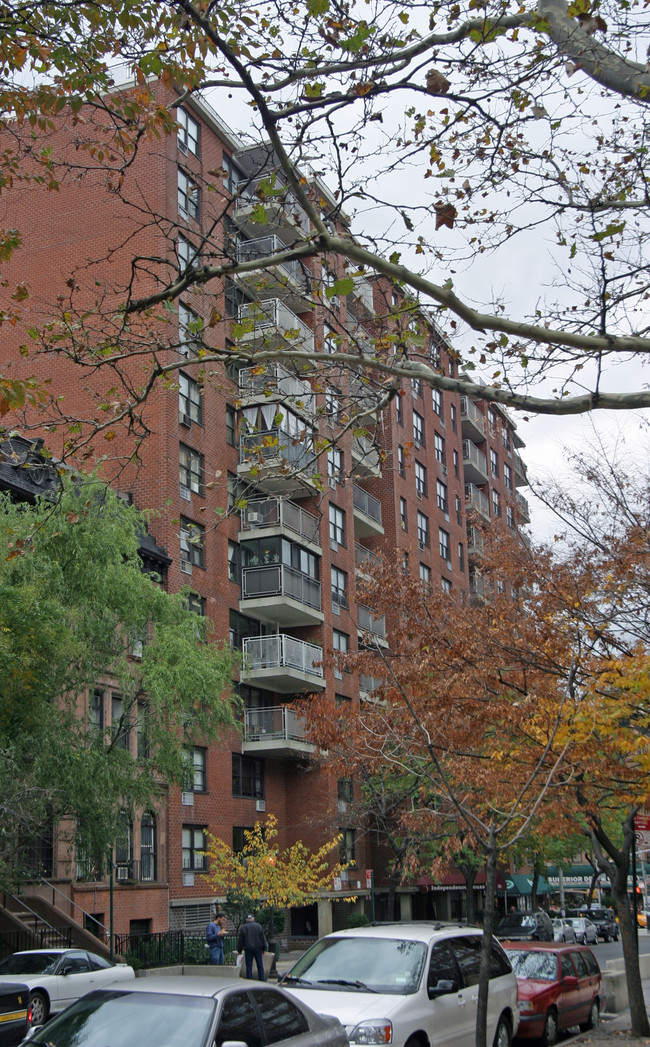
251 940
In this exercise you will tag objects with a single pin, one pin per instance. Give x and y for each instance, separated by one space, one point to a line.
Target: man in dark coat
251 940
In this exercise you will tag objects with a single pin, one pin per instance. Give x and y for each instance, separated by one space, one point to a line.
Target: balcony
474 463
476 586
271 324
282 663
281 595
365 560
367 513
277 516
361 299
277 461
288 280
275 732
370 627
365 456
475 499
523 512
521 474
273 382
268 198
472 421
475 541
369 684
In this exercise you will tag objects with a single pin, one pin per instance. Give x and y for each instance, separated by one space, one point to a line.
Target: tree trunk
470 896
393 882
486 948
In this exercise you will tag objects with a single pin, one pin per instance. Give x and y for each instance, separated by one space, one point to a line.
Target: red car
557 985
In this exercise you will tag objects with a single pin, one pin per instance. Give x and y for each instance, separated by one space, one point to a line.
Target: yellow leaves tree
264 875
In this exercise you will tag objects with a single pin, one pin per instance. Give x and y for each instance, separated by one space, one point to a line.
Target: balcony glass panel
366 504
280 580
271 652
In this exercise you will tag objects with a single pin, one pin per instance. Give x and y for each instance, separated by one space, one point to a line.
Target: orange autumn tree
264 875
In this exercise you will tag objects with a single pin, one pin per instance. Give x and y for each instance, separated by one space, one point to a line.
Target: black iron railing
169 948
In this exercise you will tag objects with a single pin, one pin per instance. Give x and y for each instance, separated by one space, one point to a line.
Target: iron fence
169 948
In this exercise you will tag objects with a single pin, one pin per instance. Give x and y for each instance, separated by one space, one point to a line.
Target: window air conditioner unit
260 805
332 481
188 879
342 805
122 873
444 470
187 799
255 519
185 492
449 566
186 420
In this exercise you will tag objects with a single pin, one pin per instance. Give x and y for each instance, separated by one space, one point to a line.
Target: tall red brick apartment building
276 574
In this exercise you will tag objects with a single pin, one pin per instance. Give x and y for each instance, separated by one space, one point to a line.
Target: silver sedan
586 932
563 931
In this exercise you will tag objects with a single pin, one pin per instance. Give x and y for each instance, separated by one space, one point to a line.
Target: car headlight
526 1006
373 1030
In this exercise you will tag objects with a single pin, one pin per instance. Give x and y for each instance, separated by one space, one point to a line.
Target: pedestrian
251 940
214 935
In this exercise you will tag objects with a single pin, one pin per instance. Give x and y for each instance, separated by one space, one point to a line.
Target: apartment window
143 728
196 778
190 400
234 297
195 844
96 716
402 514
195 603
441 496
231 426
335 464
445 585
344 790
443 544
124 843
190 470
398 410
337 525
452 369
241 626
459 516
494 462
405 562
423 531
425 575
188 196
188 132
341 645
237 491
510 517
461 556
192 545
188 255
492 420
247 777
505 438
120 727
234 175
348 846
401 463
148 847
436 401
507 476
239 837
420 480
332 406
339 588
189 326
496 504
455 459
418 428
234 562
416 386
331 340
439 447
453 414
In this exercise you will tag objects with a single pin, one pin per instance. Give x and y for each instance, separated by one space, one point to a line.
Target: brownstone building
268 501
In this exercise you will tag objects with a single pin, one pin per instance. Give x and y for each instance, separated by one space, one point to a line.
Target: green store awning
521 884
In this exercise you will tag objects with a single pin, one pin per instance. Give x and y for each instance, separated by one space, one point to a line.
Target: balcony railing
273 378
274 316
276 443
366 504
283 652
362 293
477 586
364 558
369 624
521 475
522 506
475 541
278 722
278 198
280 580
473 457
261 513
470 412
475 499
369 684
265 247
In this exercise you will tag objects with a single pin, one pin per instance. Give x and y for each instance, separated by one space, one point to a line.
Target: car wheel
502 1035
549 1036
39 1005
594 1018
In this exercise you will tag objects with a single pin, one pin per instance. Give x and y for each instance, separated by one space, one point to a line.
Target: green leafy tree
74 604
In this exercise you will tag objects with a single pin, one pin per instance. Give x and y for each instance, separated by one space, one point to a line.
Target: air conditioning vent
260 805
185 492
187 799
122 873
255 519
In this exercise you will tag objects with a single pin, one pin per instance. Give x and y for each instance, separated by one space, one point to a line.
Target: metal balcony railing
267 246
276 443
278 722
274 315
470 411
262 513
520 469
278 197
369 624
274 378
369 684
522 506
280 580
366 504
282 652
475 499
363 292
472 455
365 558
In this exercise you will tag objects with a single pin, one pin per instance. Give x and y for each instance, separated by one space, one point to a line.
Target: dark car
558 985
189 1012
525 926
605 922
14 1013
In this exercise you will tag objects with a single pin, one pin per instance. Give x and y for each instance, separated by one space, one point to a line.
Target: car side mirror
570 981
443 987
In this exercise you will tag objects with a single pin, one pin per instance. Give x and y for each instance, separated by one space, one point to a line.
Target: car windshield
515 919
575 921
539 965
129 1019
30 963
386 965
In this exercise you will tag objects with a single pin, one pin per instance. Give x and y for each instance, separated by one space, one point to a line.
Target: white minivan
407 984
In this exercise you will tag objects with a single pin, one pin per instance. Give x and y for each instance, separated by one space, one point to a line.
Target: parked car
57 977
605 921
559 986
189 1011
15 1015
525 926
586 931
406 983
563 930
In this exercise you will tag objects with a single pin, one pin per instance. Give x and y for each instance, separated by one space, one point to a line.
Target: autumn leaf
437 84
445 215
